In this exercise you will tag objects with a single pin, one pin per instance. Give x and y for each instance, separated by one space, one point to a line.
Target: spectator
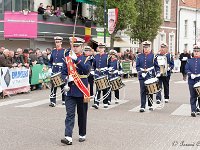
25 60
11 56
48 10
45 58
48 50
57 12
39 58
41 9
1 50
4 59
32 56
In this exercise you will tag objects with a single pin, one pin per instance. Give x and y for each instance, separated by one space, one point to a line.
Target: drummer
55 66
100 65
115 70
164 77
192 69
145 69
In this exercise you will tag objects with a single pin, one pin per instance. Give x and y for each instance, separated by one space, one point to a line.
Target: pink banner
20 25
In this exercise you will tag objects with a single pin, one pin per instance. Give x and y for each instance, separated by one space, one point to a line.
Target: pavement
28 123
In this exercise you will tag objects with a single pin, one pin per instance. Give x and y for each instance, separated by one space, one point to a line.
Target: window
194 28
185 46
186 27
162 37
167 10
171 42
1 6
16 5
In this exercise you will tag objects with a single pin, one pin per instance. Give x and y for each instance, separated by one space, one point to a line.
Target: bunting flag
88 31
112 19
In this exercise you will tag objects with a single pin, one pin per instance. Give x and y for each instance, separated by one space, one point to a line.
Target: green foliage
127 12
148 20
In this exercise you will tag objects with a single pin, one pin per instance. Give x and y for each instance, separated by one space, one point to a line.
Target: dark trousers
116 95
105 101
165 82
53 94
193 98
70 104
91 83
143 95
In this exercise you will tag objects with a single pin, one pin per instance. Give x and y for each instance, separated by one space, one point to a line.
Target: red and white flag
112 19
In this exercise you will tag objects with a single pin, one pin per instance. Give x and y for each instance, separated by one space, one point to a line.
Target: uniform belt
58 64
83 76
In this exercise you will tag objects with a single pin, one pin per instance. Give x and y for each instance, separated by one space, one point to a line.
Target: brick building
167 32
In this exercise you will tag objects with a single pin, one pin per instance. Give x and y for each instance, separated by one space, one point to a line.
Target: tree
148 20
126 14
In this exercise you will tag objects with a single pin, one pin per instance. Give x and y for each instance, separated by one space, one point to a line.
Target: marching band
77 70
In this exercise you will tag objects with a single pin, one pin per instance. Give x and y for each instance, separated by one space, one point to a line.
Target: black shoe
158 102
65 141
193 114
52 105
150 108
142 110
95 106
81 139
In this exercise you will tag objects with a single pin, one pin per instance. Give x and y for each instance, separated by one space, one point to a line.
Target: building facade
46 28
168 30
189 24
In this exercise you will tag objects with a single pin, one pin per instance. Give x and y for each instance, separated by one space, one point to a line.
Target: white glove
168 69
92 72
158 75
116 71
70 78
50 71
120 72
144 75
141 69
193 76
110 68
73 55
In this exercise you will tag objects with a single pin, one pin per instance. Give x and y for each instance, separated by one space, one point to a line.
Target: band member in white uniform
165 62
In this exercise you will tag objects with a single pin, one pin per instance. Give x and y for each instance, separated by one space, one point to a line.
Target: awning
119 42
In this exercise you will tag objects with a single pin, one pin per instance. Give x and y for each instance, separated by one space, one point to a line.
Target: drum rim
156 80
114 78
56 74
195 85
101 77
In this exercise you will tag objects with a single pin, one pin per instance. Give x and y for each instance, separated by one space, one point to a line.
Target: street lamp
105 21
196 25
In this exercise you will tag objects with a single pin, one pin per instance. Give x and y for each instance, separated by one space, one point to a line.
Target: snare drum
116 83
152 86
102 83
197 88
57 80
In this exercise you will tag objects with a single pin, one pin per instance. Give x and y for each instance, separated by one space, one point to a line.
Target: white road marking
155 106
183 110
13 102
177 82
35 103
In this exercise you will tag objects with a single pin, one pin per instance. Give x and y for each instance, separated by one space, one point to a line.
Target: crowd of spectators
24 58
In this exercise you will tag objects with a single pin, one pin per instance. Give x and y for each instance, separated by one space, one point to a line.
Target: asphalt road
28 123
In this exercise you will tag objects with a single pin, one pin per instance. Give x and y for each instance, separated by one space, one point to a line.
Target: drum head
56 74
101 77
197 85
152 80
114 78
